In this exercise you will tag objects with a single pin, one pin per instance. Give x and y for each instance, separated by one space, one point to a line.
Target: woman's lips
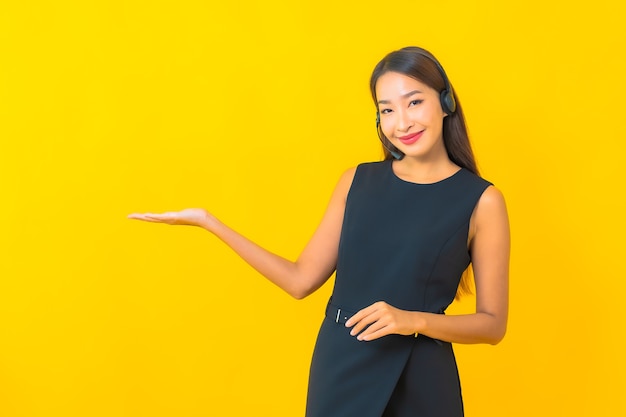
410 139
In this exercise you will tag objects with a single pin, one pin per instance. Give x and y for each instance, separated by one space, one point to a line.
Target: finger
371 334
360 315
154 219
364 323
373 327
169 218
147 217
139 216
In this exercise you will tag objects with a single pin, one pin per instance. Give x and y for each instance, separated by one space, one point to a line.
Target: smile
410 139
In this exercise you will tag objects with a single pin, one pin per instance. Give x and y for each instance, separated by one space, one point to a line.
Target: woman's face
410 115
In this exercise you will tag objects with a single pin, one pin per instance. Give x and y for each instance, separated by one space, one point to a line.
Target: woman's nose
403 122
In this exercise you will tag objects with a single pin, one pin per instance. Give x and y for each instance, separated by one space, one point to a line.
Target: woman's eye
415 102
385 111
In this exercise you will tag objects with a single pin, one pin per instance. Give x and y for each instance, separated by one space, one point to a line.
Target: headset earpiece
448 104
446 96
377 119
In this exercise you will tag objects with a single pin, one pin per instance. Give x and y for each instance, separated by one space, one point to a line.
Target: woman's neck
425 171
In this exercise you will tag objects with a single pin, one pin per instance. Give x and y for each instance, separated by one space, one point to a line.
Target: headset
446 96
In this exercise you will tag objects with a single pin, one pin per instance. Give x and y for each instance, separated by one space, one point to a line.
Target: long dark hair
421 65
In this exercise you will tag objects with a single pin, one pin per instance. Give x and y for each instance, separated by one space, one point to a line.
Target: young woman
400 233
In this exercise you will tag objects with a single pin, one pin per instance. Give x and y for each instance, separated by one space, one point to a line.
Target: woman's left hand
381 319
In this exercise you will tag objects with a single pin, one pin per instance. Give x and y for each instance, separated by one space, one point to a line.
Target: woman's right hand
188 217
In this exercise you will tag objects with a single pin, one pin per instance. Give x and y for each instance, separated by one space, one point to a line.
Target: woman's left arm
489 247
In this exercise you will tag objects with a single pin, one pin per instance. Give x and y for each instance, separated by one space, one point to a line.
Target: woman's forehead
392 85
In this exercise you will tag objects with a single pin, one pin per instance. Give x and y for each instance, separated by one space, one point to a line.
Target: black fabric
405 244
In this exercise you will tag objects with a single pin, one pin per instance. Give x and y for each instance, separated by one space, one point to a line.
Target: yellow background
252 109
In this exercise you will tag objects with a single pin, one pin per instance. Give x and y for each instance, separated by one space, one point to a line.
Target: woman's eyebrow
407 95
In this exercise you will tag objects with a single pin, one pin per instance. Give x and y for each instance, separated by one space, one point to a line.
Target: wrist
419 323
211 224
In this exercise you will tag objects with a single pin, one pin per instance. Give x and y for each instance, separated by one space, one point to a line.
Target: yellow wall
253 109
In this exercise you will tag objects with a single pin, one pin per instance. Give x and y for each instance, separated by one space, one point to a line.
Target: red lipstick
410 139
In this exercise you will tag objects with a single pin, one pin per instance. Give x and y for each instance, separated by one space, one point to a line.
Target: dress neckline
423 184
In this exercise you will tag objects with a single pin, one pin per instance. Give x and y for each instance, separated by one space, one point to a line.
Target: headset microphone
393 153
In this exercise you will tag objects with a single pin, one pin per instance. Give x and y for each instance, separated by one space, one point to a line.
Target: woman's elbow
299 294
305 286
497 335
302 291
494 328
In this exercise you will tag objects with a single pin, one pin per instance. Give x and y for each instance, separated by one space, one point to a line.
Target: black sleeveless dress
405 244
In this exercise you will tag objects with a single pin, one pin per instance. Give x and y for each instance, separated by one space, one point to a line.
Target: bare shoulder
490 214
491 200
491 210
345 181
348 175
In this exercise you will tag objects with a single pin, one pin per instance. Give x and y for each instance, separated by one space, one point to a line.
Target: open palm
188 217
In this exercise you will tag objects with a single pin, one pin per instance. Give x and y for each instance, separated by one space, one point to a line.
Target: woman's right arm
313 267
